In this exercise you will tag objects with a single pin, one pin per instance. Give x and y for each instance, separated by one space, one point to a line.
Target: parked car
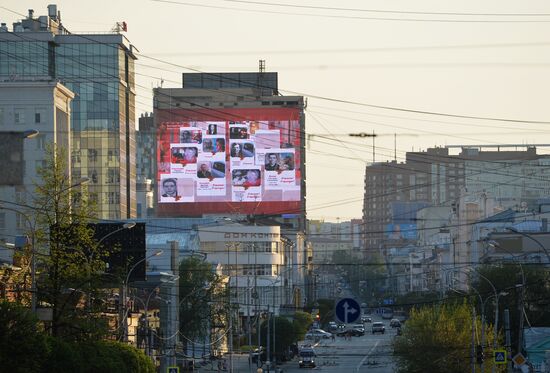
378 327
318 333
366 319
395 323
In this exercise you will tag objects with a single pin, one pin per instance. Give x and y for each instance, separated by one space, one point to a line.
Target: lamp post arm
533 239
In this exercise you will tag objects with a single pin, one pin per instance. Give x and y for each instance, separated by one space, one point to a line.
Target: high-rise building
231 124
229 145
395 191
145 164
99 69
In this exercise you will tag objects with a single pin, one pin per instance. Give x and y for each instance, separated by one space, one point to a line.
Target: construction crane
372 135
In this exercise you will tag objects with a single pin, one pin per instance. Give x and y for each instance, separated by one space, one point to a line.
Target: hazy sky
487 59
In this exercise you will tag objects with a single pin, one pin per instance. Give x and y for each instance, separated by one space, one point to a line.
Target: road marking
366 356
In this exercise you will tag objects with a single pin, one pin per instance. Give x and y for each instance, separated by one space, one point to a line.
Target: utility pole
520 310
268 363
473 348
230 339
508 339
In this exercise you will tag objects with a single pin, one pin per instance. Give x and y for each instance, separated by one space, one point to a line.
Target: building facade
99 69
43 106
438 178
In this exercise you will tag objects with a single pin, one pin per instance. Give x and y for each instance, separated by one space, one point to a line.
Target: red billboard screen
234 161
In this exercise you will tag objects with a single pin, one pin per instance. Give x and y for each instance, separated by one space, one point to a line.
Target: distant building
146 157
436 178
28 105
99 69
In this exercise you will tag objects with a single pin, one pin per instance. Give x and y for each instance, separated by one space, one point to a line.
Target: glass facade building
99 69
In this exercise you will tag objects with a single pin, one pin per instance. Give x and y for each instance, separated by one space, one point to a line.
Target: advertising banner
245 161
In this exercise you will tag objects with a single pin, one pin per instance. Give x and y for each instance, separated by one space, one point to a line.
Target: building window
19 116
36 117
114 198
19 221
75 156
40 142
1 117
2 220
92 155
93 176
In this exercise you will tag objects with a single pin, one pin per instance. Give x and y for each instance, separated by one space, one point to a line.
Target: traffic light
480 356
317 317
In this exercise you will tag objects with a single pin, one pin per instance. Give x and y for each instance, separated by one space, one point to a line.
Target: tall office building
99 69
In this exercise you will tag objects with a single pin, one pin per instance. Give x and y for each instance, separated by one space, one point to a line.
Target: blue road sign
347 310
500 356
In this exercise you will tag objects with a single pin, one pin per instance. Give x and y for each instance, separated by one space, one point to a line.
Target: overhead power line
343 16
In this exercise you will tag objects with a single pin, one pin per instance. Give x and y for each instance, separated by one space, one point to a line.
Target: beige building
255 258
43 106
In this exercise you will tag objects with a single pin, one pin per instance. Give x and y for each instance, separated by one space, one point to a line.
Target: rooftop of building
50 28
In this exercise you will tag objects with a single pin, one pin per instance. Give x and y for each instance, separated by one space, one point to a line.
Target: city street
369 353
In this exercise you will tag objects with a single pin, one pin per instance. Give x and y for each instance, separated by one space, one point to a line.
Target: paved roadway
369 353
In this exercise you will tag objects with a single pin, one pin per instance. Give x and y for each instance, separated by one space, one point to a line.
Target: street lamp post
473 348
125 292
495 244
514 230
124 226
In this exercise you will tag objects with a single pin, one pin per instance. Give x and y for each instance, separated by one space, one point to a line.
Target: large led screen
244 161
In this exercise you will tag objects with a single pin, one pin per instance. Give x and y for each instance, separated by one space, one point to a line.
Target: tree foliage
284 334
439 339
301 323
22 347
68 258
203 298
507 278
26 348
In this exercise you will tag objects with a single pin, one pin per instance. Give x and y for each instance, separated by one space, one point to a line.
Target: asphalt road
369 353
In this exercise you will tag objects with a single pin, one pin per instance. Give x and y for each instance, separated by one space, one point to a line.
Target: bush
22 347
98 356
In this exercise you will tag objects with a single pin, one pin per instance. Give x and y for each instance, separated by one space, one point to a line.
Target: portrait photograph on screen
243 166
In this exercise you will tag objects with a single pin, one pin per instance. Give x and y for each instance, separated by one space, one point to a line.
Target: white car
318 333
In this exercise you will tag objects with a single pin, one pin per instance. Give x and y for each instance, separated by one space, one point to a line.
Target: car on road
366 319
378 327
306 357
395 323
358 329
318 333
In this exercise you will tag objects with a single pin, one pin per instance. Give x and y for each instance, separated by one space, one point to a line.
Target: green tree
284 335
23 347
96 356
68 257
301 323
203 298
507 278
438 339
